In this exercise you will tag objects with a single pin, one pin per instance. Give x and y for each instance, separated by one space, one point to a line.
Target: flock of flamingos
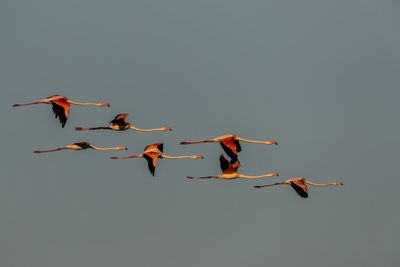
230 144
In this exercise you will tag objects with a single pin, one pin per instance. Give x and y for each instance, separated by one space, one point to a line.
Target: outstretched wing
300 188
151 158
234 165
61 110
159 146
120 119
238 147
223 163
83 145
231 147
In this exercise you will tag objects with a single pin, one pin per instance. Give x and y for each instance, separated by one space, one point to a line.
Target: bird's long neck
182 157
33 103
255 177
44 151
252 141
84 104
109 148
204 177
314 184
130 157
148 130
88 129
199 142
268 185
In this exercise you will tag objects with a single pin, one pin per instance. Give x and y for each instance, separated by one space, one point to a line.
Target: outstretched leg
191 143
130 157
88 129
206 177
39 102
44 151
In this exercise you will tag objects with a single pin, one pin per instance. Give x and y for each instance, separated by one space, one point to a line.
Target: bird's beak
277 174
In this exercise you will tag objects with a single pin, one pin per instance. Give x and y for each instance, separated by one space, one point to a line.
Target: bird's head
271 143
122 148
104 104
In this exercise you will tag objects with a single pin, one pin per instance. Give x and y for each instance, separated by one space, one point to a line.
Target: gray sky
320 77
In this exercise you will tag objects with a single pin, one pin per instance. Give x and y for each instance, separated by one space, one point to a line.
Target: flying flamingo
230 144
119 124
61 106
154 152
229 171
82 146
299 185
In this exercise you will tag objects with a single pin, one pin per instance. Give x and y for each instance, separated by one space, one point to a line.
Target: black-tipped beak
277 174
126 148
276 143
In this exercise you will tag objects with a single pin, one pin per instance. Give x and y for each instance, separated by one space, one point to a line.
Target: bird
82 146
229 171
119 123
61 106
230 144
153 152
299 185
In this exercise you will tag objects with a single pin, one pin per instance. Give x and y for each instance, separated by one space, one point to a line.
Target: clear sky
320 77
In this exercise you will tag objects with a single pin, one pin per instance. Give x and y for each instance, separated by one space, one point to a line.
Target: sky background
320 77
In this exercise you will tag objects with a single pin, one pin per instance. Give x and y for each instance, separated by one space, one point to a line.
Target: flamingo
82 146
119 123
230 144
229 171
154 152
299 185
61 106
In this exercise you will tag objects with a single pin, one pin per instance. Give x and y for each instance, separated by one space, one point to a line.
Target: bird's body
230 144
152 153
81 146
299 184
119 123
229 171
60 105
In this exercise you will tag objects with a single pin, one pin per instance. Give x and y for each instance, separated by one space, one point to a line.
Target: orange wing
61 110
158 146
151 158
121 116
120 119
228 167
300 187
231 147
